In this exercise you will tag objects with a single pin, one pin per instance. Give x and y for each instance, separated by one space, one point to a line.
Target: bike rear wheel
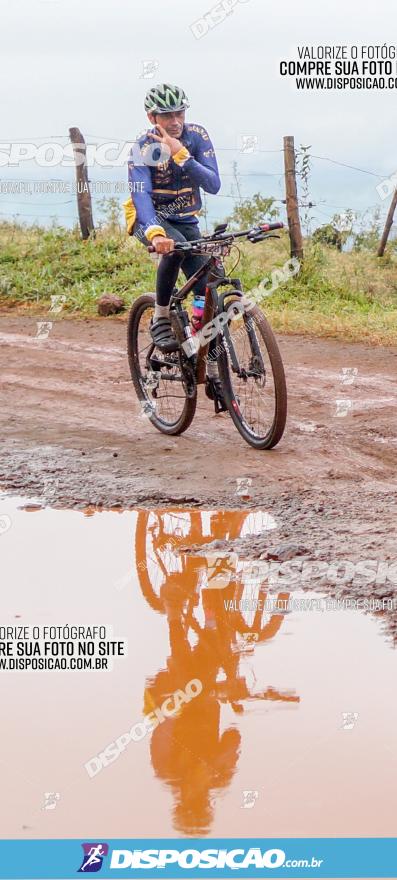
253 379
168 400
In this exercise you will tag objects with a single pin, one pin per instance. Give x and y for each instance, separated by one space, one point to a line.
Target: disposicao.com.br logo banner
171 859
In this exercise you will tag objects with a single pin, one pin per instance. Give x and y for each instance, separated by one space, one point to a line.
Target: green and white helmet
165 98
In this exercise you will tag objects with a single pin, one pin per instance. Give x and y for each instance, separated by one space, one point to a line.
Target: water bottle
197 313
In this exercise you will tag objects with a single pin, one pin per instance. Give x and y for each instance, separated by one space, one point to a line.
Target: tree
328 234
368 235
110 209
251 211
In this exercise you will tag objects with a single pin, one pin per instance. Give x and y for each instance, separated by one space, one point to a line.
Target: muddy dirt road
72 433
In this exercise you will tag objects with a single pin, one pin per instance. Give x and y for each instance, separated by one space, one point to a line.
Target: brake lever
255 238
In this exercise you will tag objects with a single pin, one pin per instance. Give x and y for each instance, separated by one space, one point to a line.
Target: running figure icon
93 856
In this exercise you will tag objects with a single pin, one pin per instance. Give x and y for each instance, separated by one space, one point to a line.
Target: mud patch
72 437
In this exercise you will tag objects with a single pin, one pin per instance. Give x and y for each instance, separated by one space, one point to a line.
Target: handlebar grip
268 227
179 246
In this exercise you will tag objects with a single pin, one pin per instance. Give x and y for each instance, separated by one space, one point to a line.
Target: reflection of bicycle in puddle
211 638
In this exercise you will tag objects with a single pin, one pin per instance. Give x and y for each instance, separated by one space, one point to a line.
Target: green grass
37 264
351 296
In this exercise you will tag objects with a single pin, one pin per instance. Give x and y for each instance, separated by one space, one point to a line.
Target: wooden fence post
291 194
388 225
84 203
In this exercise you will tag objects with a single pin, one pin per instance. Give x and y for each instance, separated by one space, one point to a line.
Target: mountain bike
161 535
167 575
235 336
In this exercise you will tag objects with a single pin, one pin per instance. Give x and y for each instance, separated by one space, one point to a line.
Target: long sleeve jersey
171 189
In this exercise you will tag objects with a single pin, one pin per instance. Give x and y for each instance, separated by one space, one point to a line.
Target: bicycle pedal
213 390
219 405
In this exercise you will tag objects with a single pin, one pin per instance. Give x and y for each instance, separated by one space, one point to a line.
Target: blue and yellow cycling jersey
171 190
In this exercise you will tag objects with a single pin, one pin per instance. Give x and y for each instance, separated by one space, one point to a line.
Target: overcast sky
80 62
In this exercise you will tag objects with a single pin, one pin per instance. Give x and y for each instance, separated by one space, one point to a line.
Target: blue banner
181 858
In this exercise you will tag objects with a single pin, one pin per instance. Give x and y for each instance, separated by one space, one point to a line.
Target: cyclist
165 199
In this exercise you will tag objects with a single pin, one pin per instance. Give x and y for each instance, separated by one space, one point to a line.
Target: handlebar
255 234
269 227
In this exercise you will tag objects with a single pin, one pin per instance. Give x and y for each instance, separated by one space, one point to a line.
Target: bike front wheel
252 374
163 383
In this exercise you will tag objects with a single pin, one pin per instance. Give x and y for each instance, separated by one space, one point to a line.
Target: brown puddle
290 730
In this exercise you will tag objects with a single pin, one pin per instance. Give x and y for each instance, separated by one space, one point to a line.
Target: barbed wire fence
317 209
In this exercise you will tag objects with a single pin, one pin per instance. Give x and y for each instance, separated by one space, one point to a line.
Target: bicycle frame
212 303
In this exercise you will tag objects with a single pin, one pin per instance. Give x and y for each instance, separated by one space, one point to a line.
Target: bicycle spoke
255 394
162 395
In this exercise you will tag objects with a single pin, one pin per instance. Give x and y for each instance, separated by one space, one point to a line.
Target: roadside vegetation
337 293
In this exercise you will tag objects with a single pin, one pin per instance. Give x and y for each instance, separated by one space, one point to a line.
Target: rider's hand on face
173 144
163 245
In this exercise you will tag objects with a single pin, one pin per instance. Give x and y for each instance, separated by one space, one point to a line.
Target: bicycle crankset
189 378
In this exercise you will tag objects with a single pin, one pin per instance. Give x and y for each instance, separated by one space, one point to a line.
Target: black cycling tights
171 263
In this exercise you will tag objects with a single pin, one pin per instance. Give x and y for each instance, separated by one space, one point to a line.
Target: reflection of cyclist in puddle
188 750
161 534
